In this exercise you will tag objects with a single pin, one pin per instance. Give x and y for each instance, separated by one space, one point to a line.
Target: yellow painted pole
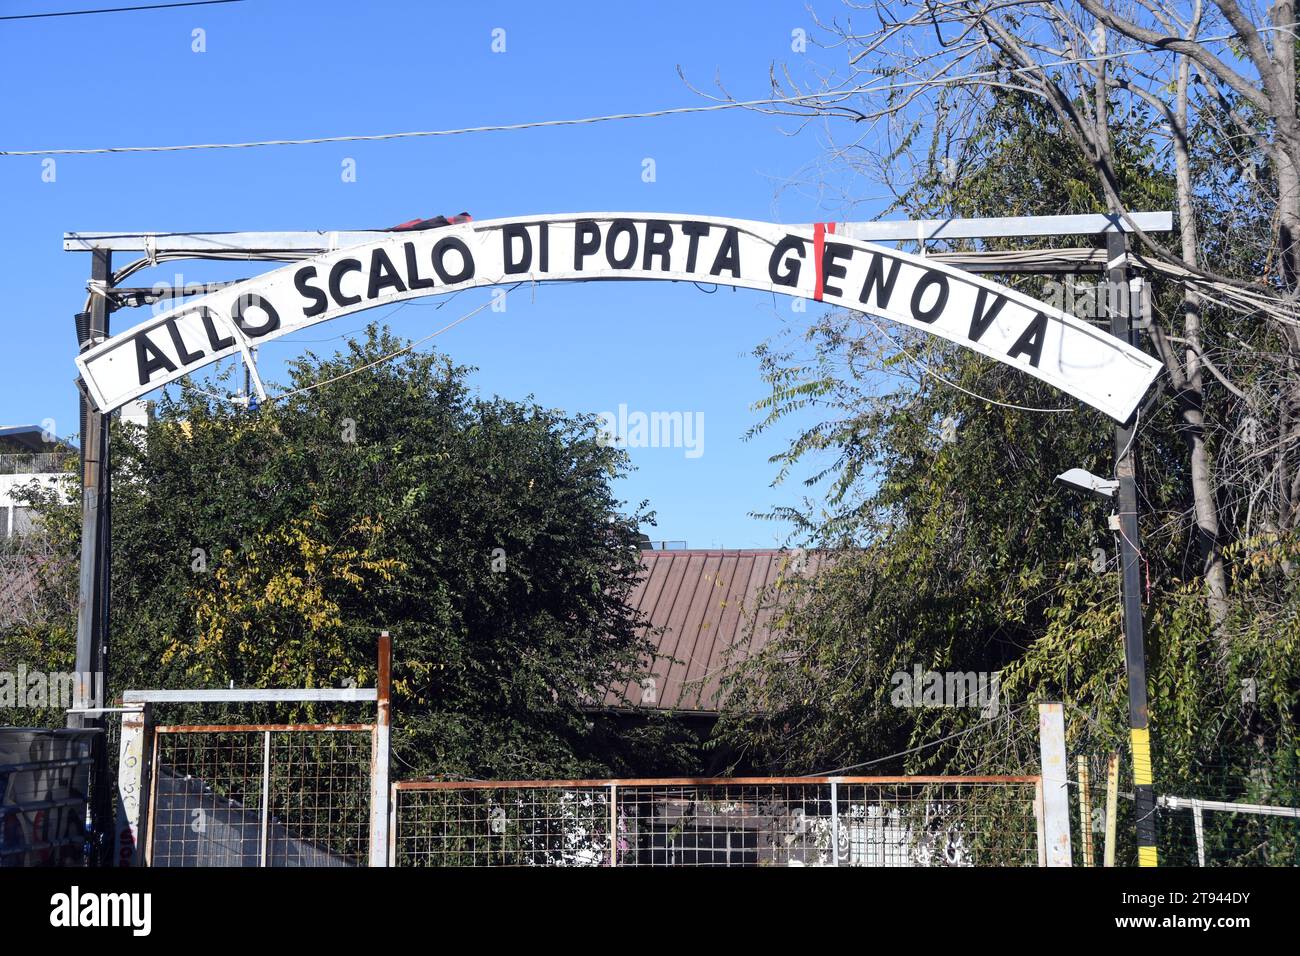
1085 811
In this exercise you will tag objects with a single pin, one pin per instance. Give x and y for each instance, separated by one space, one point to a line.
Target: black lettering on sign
831 269
383 275
215 341
928 279
440 260
878 284
508 236
302 282
149 358
1031 340
980 320
728 256
658 242
586 240
337 272
182 353
695 230
253 300
617 229
544 252
782 267
413 278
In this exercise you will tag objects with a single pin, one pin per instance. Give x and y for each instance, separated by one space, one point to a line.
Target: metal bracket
249 353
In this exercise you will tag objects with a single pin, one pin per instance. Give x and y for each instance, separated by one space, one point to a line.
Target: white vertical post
266 794
1199 823
380 740
835 824
133 780
1056 798
613 824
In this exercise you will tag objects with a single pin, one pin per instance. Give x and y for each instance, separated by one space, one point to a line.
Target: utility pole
1119 303
93 596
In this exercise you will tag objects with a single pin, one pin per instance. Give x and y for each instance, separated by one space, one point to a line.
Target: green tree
951 548
270 548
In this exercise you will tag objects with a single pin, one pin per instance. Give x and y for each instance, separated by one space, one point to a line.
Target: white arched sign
1065 351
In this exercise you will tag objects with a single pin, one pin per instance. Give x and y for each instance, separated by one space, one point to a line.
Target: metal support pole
134 783
1055 827
93 595
613 824
1198 821
835 823
379 790
1130 563
266 799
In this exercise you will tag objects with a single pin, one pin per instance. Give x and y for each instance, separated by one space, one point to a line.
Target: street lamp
1087 481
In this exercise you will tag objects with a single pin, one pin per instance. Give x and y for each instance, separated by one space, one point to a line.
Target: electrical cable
832 95
839 771
83 13
929 371
382 359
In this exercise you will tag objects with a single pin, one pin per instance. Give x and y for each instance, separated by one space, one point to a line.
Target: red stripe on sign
820 230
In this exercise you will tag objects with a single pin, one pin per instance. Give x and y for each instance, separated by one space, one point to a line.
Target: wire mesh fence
508 824
814 821
268 795
985 823
1212 815
1224 833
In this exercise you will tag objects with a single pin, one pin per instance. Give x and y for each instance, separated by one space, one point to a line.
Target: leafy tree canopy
953 549
269 549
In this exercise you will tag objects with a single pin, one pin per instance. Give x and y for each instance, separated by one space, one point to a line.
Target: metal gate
747 821
260 795
255 794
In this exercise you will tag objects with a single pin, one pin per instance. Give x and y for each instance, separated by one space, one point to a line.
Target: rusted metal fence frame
265 731
619 793
138 749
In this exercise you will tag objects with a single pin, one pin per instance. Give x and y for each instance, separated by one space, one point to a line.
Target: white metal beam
1004 227
249 695
248 244
1185 803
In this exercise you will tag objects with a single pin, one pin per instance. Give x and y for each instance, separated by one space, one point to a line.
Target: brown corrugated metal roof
705 601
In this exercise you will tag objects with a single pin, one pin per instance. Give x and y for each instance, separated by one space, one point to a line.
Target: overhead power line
412 134
821 95
86 13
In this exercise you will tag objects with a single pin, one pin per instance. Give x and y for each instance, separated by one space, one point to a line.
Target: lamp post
1124 485
1125 523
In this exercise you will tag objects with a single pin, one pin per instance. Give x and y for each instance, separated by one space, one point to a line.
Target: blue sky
292 68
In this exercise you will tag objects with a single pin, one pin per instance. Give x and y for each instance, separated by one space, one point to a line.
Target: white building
29 454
